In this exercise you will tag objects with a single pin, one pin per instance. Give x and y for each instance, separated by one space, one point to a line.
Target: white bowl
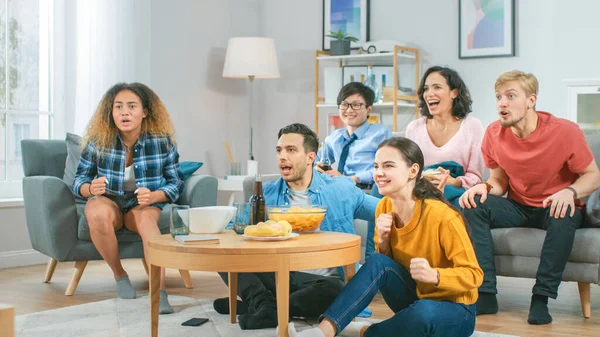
211 219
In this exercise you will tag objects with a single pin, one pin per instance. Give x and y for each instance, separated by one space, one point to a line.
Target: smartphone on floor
195 322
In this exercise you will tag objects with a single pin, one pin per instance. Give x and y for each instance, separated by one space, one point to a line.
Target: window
25 83
21 132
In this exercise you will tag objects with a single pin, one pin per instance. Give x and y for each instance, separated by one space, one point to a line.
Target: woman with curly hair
128 150
449 137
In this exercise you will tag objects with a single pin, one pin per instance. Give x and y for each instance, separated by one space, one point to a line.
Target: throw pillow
187 169
73 156
592 210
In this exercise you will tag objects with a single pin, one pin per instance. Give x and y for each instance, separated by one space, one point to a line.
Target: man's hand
560 202
421 271
467 200
384 227
144 196
333 173
319 167
98 186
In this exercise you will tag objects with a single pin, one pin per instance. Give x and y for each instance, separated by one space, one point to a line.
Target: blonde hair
528 81
102 130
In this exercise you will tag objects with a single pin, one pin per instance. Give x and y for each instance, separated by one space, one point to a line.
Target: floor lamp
251 57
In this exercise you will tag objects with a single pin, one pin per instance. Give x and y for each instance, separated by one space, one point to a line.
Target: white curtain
112 44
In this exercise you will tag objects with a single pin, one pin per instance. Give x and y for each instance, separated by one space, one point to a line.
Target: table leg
282 280
233 285
349 271
154 298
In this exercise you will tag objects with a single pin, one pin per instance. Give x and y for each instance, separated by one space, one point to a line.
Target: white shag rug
131 318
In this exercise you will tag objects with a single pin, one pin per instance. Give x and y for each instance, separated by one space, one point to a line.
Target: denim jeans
370 247
499 212
310 294
413 317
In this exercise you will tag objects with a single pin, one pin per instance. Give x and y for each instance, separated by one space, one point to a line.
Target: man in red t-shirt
545 165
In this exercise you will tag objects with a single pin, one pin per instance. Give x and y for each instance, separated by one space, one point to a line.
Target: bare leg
104 218
144 220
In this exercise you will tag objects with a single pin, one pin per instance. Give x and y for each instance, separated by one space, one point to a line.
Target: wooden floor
23 288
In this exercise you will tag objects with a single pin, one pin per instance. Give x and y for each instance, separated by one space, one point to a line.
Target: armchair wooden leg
584 297
187 279
79 268
7 320
50 269
146 267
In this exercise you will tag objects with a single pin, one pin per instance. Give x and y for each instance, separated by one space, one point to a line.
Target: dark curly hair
461 105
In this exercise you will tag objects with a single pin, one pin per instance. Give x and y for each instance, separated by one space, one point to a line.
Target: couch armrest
51 215
199 190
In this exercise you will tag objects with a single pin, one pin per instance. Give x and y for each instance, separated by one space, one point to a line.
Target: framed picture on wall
486 28
351 16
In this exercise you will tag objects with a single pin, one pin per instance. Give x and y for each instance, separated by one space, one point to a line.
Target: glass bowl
302 219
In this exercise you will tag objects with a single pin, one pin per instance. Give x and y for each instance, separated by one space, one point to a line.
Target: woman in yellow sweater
426 268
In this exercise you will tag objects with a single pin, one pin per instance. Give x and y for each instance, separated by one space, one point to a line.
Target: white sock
312 332
353 329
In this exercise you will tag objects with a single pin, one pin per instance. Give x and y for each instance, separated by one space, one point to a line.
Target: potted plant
341 44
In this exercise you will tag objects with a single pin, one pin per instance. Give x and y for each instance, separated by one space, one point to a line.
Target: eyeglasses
354 105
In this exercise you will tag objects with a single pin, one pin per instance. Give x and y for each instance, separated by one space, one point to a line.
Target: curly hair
102 130
461 105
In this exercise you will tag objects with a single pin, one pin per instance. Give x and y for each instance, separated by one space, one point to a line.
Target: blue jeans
370 248
413 317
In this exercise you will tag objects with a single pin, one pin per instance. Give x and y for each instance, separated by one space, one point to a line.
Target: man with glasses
354 146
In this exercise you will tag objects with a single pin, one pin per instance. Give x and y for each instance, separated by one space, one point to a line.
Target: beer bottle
257 202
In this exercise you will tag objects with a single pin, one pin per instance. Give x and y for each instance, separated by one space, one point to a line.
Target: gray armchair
517 251
57 227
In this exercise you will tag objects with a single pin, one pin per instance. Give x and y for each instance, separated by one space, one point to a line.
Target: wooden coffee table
234 254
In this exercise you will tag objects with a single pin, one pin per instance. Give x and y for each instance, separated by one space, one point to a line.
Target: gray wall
189 40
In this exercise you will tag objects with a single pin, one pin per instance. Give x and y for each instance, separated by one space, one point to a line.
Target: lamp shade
251 56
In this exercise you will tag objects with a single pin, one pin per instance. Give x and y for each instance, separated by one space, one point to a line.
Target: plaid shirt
154 157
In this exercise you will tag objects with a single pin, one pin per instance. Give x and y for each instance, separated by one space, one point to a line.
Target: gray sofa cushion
73 156
527 242
123 234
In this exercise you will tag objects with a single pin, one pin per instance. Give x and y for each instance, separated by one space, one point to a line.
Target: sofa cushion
123 234
73 156
527 242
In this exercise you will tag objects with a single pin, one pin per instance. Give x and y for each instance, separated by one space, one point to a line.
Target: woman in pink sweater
447 133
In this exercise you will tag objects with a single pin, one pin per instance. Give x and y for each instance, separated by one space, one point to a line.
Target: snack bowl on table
210 219
302 219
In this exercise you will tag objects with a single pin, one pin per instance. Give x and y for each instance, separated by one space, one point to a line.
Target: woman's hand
384 227
98 186
144 196
438 179
420 270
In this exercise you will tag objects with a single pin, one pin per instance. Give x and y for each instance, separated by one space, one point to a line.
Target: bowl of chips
302 219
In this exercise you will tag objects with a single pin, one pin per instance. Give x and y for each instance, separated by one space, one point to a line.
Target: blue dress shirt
361 153
345 202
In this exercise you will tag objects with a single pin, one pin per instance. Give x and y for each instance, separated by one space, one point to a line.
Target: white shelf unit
401 55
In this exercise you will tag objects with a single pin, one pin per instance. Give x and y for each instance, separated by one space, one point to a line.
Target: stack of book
196 239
